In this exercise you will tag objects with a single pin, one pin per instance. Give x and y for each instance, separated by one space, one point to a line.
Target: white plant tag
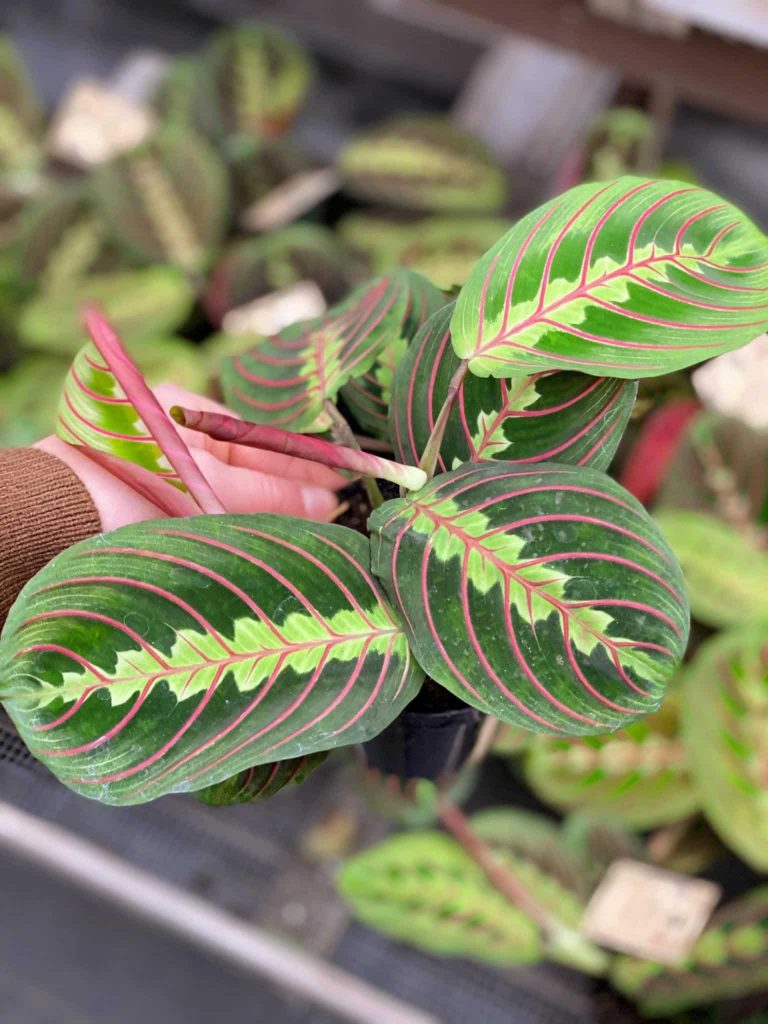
94 124
736 384
290 200
270 313
649 912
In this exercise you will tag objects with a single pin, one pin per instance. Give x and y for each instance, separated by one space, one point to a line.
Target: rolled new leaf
168 656
167 200
251 81
261 781
285 380
423 163
272 439
424 889
368 395
146 303
561 416
726 570
638 776
729 960
544 596
632 278
725 723
107 407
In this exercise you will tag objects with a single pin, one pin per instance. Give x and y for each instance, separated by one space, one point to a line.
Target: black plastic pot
431 739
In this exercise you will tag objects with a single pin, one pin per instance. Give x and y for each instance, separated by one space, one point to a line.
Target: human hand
245 479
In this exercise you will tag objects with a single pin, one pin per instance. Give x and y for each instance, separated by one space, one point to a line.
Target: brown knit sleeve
44 508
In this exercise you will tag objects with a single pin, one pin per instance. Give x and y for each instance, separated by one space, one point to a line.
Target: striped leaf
596 842
251 82
545 597
167 200
423 163
633 278
261 781
725 725
424 889
168 656
726 570
368 396
285 380
568 417
107 407
729 960
637 776
721 467
147 303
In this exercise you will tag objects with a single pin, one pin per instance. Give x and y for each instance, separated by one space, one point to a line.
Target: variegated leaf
147 303
251 82
424 163
729 960
285 380
726 570
632 278
368 396
107 407
638 776
169 655
424 889
725 725
567 417
544 596
261 781
167 200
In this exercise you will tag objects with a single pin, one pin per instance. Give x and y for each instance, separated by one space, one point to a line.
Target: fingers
248 490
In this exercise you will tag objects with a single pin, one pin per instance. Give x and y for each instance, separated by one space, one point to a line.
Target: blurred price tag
269 314
648 912
290 200
94 124
736 384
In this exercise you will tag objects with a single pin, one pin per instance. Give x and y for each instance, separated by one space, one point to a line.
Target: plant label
269 314
94 124
649 912
290 200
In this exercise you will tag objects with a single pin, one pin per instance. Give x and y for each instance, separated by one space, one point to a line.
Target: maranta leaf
544 596
550 416
261 781
632 278
168 656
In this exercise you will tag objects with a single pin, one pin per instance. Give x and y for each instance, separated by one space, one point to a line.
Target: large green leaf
368 395
729 960
424 163
251 81
169 655
632 278
424 889
638 776
721 466
725 725
261 781
285 380
726 570
145 303
544 596
167 200
570 417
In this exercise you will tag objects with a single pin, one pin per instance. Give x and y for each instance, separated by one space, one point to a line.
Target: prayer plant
176 654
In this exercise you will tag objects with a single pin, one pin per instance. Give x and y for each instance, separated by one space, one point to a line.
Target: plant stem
342 434
432 449
502 878
303 446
